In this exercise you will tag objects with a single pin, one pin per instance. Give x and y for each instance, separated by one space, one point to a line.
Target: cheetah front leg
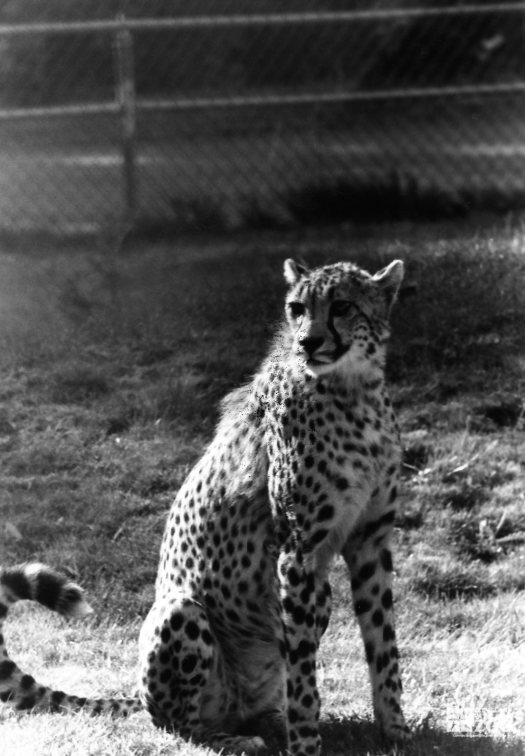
306 599
299 600
370 562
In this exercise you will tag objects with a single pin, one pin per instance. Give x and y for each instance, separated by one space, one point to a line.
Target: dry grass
111 367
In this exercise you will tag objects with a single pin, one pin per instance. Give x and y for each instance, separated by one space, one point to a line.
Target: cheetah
303 467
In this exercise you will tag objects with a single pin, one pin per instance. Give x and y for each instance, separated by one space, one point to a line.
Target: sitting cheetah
303 467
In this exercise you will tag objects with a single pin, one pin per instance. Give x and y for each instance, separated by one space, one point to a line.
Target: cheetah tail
49 588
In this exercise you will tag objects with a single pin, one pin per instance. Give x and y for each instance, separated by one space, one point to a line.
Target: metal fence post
125 86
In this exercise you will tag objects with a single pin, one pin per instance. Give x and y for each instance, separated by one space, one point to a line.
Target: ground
112 361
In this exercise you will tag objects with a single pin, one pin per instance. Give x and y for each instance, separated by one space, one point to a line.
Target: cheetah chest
328 453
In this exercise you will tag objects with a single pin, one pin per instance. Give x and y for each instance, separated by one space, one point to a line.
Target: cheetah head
338 315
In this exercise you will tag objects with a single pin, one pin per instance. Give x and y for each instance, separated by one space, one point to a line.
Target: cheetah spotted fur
303 467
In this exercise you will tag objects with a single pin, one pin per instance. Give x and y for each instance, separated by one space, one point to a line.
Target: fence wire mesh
216 115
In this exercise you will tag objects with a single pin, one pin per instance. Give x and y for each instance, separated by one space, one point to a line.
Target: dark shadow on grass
362 738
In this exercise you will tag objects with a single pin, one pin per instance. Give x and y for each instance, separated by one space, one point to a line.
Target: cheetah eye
297 309
340 307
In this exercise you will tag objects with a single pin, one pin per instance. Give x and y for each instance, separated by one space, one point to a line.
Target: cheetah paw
399 732
251 746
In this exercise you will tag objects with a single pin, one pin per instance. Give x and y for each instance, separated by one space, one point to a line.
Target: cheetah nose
311 344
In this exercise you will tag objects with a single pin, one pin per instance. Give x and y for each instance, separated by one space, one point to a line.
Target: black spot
395 706
386 560
325 513
288 604
373 527
207 637
6 669
210 601
341 484
307 732
17 582
226 592
165 635
366 571
176 621
293 577
304 596
377 618
319 536
386 599
369 651
57 696
299 615
192 630
26 703
304 649
189 663
232 616
362 605
388 633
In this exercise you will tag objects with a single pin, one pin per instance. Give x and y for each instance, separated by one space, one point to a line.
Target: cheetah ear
293 271
389 280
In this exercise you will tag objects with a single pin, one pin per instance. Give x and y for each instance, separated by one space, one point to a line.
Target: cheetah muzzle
303 467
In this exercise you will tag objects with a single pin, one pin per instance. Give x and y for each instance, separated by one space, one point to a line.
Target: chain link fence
217 115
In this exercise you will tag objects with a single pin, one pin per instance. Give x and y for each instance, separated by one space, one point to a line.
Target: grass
112 363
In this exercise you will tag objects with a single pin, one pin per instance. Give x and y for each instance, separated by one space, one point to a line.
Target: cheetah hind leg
180 679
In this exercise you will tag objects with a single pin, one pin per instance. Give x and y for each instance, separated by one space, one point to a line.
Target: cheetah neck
357 390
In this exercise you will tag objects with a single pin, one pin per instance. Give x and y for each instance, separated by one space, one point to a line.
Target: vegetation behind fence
216 117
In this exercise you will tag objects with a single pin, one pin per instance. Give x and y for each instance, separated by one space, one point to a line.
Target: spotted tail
49 588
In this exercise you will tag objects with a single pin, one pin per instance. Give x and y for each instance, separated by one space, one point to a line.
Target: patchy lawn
112 362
